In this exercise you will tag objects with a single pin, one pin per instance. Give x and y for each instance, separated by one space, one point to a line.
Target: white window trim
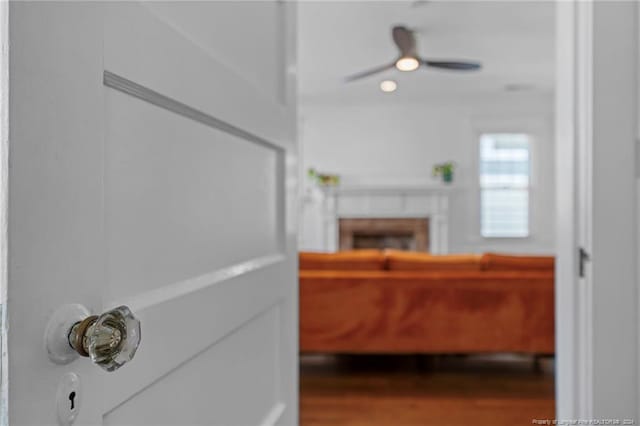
530 142
535 127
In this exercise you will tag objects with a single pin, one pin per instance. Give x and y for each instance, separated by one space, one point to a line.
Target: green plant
445 170
323 179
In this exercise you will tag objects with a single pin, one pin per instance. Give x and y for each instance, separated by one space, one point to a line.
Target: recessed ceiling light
388 86
407 63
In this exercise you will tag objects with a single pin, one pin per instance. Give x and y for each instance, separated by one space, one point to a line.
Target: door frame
4 208
573 381
596 315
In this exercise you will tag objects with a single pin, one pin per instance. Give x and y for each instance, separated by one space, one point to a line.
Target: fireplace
380 233
424 209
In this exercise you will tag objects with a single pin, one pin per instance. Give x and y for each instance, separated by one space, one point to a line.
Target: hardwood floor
424 390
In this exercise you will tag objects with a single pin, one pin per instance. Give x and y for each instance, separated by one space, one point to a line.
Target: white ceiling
513 40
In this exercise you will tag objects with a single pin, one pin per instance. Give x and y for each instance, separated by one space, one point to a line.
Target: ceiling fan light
407 63
388 86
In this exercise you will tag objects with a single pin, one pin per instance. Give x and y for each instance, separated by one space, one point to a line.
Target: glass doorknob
110 340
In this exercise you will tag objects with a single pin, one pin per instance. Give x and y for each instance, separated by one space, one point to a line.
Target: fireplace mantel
389 190
386 201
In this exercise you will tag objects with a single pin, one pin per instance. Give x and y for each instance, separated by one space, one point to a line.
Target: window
504 185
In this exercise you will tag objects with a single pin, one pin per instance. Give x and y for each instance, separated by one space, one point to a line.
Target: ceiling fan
410 61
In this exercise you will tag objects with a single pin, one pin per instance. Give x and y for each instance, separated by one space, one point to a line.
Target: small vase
447 176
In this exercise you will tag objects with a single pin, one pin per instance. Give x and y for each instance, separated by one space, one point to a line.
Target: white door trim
567 377
4 203
583 220
596 127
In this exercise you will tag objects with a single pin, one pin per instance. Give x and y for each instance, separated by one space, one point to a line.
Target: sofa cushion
415 261
360 260
504 262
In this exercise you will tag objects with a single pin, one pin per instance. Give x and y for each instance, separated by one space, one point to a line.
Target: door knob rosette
110 340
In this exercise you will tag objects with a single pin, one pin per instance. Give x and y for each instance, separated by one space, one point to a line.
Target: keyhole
72 397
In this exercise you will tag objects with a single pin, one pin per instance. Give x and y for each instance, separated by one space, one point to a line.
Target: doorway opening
430 116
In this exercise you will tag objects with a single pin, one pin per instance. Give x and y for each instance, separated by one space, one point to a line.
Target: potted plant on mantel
323 179
445 170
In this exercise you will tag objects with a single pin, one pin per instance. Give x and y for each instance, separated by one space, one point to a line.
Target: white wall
389 143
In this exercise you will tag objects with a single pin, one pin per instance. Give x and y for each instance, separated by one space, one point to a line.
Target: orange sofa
370 301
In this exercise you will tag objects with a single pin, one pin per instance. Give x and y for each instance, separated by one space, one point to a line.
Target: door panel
183 198
191 317
170 166
250 55
224 373
144 49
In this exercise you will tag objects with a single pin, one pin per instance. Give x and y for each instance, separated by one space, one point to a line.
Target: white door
152 165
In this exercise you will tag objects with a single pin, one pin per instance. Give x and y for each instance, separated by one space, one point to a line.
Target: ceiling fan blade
367 73
405 40
453 65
